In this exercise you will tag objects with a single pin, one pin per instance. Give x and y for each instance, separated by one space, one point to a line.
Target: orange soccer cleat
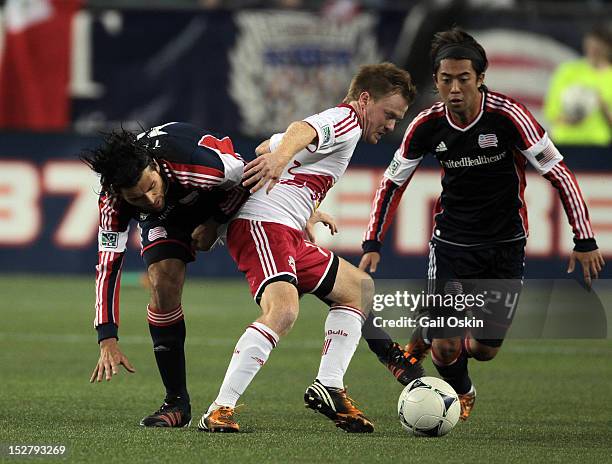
220 420
467 401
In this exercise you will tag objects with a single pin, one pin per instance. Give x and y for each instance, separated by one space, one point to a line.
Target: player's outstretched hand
369 261
111 358
326 219
204 236
591 261
265 169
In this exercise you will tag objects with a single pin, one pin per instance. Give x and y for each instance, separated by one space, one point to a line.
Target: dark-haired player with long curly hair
483 141
179 183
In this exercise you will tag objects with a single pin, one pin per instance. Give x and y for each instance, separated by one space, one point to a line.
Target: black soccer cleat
170 414
337 406
402 364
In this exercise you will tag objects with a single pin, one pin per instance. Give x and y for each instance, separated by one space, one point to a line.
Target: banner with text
48 211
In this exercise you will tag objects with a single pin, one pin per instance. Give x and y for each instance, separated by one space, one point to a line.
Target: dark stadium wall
48 211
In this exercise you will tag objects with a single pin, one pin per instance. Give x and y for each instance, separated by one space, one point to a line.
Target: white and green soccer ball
428 406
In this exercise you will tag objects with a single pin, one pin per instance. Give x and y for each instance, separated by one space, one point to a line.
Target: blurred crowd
575 102
239 4
329 4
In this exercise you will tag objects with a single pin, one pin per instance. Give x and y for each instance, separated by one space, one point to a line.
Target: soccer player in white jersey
266 239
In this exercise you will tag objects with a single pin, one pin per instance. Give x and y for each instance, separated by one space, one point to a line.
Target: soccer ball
428 406
578 102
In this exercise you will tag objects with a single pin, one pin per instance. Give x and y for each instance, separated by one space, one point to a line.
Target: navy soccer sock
378 340
455 373
168 335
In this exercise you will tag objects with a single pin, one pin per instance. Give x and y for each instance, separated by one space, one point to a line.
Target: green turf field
545 401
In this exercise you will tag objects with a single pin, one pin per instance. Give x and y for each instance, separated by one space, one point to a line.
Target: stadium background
73 68
246 73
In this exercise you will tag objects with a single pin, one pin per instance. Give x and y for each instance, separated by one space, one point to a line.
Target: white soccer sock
342 334
251 352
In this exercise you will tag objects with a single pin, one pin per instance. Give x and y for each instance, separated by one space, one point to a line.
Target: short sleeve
324 127
335 125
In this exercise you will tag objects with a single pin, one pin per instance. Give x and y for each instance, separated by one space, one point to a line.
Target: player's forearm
298 136
108 282
574 205
384 206
387 198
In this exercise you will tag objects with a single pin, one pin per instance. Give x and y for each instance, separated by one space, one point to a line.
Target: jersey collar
473 123
346 105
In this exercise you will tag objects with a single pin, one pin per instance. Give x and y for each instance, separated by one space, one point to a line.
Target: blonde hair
380 80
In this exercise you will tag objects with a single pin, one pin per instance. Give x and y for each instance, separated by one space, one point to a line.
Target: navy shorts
167 236
480 286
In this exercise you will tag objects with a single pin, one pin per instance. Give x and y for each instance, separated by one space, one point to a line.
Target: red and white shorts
268 252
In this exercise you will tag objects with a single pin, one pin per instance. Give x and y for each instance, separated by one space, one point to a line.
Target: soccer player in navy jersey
179 183
483 141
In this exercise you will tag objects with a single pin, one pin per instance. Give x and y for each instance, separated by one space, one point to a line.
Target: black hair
120 160
456 43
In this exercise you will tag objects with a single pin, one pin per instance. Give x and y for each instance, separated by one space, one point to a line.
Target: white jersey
310 173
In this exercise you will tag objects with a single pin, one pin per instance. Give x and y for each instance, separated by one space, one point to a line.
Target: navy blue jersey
483 182
200 169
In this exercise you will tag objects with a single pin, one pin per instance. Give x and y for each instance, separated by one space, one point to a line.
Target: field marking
301 344
143 340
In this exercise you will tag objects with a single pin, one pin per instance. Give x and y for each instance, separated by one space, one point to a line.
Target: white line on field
142 340
304 343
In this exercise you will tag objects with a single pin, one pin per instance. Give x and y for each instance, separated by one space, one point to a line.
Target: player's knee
280 306
367 292
166 290
281 317
484 352
446 350
361 292
287 318
165 296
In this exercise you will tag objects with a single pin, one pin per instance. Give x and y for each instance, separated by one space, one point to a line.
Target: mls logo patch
109 239
326 134
487 140
156 233
393 167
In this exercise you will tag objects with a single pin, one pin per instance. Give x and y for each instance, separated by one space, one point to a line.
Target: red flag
35 66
